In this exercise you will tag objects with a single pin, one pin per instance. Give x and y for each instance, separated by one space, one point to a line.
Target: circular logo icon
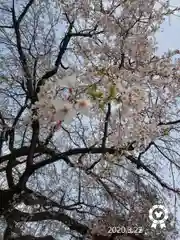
158 214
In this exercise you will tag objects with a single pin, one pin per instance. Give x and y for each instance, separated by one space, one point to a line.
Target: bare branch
169 123
22 57
5 26
62 48
148 170
29 237
29 4
65 219
106 126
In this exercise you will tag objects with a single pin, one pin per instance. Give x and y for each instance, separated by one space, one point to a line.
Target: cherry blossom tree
89 114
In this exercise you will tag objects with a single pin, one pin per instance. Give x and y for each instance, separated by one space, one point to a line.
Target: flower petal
69 116
83 106
59 116
68 81
58 104
84 111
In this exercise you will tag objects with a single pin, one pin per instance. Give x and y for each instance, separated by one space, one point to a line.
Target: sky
169 38
169 35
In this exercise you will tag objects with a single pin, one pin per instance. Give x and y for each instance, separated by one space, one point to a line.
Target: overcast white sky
169 38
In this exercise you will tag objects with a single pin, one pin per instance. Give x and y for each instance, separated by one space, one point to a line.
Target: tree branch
35 135
29 237
19 216
5 26
22 57
72 152
62 48
159 180
106 126
9 176
65 156
25 11
23 151
169 123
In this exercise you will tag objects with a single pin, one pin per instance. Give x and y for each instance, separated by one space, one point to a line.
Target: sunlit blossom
83 106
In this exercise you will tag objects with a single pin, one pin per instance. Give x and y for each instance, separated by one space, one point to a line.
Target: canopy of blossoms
142 98
92 75
125 72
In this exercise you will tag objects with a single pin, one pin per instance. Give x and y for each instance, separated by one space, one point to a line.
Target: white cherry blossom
83 106
64 111
68 81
